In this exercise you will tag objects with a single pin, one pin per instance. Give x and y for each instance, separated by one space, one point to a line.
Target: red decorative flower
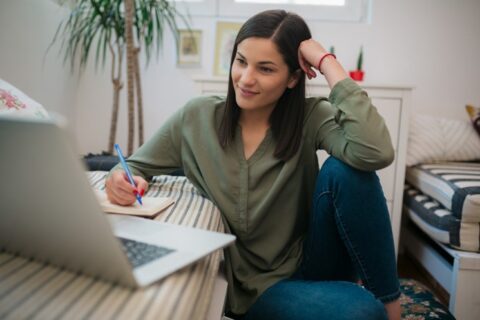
10 100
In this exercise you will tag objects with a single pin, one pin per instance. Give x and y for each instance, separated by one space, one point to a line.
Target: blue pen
127 170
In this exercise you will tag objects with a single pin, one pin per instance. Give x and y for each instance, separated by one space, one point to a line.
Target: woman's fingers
309 53
125 188
302 62
142 185
119 190
305 66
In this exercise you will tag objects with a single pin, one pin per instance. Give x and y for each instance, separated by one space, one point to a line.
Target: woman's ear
292 82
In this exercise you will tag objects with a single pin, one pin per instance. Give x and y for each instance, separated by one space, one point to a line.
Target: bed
441 206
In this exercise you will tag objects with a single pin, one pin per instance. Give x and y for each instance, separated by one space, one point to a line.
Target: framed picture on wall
224 40
189 48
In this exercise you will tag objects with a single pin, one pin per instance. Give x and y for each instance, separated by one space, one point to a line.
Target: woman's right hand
120 191
310 53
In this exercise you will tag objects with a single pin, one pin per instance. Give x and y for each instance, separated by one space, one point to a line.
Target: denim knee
316 300
364 307
335 173
342 171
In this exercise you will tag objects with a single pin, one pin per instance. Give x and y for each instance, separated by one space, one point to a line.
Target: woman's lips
247 93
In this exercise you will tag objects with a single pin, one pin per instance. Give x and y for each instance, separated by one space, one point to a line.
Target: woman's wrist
324 59
333 71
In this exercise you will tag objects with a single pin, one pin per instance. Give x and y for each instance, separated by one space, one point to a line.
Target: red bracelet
321 60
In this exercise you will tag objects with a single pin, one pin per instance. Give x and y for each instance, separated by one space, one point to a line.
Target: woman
304 238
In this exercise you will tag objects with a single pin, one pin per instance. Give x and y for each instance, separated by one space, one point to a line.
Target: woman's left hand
309 54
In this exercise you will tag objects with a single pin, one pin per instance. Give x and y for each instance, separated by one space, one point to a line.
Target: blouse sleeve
161 154
349 128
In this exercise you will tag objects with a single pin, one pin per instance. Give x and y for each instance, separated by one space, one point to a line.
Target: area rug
418 302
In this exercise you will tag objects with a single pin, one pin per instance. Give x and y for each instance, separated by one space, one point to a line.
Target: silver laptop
49 211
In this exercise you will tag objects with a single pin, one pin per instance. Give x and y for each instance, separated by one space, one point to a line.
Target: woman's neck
255 119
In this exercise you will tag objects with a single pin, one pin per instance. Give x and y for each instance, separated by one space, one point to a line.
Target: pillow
474 114
433 139
15 102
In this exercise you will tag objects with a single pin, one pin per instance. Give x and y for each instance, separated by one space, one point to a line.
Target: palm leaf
97 23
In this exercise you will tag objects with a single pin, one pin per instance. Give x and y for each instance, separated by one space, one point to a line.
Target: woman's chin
245 104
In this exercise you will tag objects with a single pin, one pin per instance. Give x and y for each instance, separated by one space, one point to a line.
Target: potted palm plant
118 28
358 74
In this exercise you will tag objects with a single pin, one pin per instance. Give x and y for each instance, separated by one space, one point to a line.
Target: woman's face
259 74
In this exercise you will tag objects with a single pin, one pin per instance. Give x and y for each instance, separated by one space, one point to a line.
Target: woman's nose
248 76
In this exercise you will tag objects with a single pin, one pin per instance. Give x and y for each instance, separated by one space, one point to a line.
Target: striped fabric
433 139
29 289
440 223
443 199
456 185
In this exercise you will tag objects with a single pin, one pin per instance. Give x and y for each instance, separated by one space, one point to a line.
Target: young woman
304 238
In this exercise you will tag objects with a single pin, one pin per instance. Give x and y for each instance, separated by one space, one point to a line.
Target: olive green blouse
265 201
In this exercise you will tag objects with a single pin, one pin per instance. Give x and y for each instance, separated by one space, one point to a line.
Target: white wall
432 45
27 28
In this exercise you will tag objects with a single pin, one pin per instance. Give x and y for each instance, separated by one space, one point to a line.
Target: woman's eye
266 70
241 61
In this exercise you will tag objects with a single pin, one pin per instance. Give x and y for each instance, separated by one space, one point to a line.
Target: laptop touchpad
126 225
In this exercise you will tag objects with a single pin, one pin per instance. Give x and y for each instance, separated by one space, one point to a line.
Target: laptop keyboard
140 253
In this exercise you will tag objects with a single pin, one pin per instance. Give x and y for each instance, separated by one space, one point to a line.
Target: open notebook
151 207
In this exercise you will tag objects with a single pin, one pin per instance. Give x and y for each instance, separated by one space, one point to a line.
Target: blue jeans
350 237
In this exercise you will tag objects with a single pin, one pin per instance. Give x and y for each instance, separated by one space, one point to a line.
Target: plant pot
357 75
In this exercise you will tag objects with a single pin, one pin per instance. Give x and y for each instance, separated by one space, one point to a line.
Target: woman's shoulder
204 102
203 107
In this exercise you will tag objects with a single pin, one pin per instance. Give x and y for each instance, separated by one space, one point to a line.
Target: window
300 2
196 7
326 10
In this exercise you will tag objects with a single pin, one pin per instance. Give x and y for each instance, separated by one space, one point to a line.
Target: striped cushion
440 223
436 139
456 185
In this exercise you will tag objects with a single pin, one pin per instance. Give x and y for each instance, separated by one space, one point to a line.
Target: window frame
207 8
353 11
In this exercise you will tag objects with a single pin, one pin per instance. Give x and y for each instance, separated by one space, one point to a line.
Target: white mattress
443 199
456 185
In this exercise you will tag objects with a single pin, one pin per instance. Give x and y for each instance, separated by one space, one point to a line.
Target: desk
35 290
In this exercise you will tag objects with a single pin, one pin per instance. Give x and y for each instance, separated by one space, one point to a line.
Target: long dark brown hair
287 30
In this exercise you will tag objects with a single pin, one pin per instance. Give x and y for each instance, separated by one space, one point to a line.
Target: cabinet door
387 180
389 109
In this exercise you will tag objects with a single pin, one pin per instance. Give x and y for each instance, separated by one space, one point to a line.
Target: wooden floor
409 268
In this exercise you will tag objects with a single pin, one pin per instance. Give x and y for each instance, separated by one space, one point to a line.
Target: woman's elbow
375 160
384 157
